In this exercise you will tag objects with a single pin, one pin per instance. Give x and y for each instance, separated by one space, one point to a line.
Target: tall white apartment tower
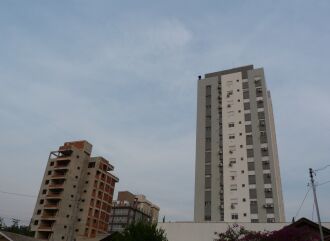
237 175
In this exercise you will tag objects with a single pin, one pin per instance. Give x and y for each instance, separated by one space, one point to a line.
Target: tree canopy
239 233
141 231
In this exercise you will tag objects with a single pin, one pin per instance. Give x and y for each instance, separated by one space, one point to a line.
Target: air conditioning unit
220 164
267 205
221 191
221 206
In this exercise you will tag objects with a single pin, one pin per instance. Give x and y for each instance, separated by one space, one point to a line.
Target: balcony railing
51 206
48 216
54 195
58 176
45 227
56 185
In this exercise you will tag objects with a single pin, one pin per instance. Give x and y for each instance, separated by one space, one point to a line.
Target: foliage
239 233
2 224
16 228
141 231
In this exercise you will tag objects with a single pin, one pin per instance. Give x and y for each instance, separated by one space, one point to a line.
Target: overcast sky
123 75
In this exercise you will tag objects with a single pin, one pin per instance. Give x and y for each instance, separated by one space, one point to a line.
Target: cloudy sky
123 75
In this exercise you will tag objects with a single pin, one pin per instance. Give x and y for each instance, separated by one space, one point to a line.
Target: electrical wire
18 194
323 183
321 169
309 188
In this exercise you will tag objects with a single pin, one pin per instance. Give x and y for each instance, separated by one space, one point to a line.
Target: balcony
45 228
58 176
54 196
51 206
49 216
56 186
59 167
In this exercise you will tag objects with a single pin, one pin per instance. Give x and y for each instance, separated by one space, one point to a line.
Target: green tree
2 224
141 231
19 229
239 233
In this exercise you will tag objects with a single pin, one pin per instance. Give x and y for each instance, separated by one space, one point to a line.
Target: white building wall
234 150
189 231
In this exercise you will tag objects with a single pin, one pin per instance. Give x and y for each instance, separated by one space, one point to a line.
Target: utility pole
311 173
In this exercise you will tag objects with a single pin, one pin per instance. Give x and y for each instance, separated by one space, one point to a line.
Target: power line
321 169
323 183
309 188
18 194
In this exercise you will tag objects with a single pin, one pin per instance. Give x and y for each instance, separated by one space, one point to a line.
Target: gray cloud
124 78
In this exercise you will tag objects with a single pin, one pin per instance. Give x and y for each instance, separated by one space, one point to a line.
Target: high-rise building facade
75 196
237 176
130 208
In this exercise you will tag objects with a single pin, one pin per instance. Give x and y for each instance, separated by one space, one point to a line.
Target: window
267 178
36 222
231 124
248 117
249 152
41 201
265 165
44 191
51 163
245 85
49 172
207 182
231 136
254 220
252 179
253 193
249 140
258 92
246 106
91 165
260 104
246 94
234 216
270 220
38 212
251 166
46 182
261 115
248 128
